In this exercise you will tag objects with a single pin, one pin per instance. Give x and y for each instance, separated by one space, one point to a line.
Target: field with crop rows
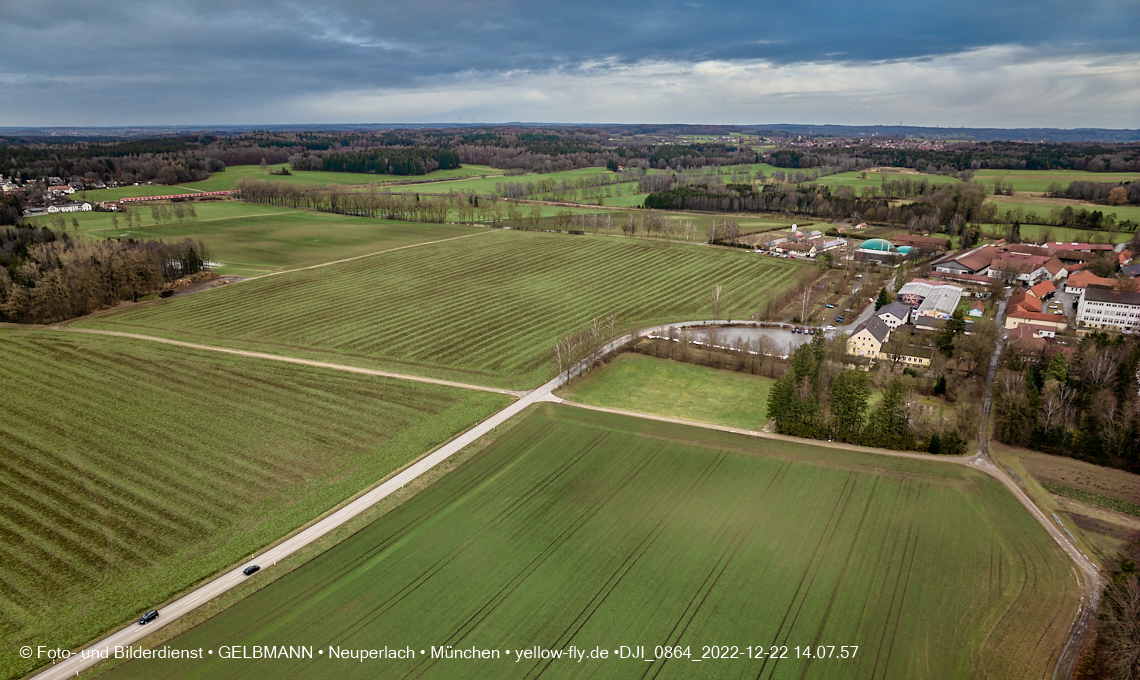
594 530
247 239
228 179
132 470
485 309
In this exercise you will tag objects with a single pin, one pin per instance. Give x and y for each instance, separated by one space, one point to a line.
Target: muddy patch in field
1077 474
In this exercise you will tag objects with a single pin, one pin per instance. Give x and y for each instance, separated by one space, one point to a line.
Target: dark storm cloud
182 61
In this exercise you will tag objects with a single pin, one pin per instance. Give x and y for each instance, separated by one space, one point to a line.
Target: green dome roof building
880 244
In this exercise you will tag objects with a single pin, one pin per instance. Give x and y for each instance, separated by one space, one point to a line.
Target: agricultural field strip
133 633
1093 579
209 219
640 526
291 360
359 257
394 320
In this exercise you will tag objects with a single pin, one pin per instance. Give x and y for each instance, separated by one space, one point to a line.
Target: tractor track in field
627 565
906 586
698 600
539 560
814 564
407 529
458 550
843 571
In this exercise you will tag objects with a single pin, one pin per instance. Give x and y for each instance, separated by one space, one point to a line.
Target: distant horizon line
167 126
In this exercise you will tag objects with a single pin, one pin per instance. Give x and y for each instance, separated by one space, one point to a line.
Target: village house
894 314
1043 290
912 356
868 340
1023 302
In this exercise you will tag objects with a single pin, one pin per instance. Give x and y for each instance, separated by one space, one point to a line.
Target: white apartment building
1107 309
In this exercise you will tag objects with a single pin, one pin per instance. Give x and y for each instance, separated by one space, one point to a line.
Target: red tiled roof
1042 289
1086 278
1023 302
1037 316
1054 266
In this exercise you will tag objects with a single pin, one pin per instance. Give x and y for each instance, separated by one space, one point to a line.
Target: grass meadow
483 310
1039 180
1123 212
596 530
248 239
228 179
645 384
133 470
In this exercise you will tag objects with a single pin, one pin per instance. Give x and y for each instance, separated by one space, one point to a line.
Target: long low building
1057 322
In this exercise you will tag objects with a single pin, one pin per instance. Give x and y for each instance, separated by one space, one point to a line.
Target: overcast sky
977 63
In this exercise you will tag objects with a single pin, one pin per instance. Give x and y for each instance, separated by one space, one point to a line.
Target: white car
829 328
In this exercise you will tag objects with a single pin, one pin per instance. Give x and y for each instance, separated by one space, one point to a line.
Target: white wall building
1107 309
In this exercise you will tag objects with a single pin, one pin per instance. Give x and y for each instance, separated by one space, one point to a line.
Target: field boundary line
292 360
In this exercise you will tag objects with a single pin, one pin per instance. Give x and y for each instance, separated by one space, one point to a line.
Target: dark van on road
250 569
148 617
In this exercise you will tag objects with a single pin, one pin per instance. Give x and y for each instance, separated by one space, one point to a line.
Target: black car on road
148 617
250 569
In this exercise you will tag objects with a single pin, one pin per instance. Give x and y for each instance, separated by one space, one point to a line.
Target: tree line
949 204
343 201
46 276
586 345
1082 407
961 156
1105 193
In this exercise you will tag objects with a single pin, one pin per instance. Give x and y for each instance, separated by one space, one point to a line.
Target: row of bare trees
344 201
587 345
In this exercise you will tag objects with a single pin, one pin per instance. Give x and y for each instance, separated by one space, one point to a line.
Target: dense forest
977 156
1083 406
47 276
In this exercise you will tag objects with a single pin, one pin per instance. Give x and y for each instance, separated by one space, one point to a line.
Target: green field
486 309
1035 232
247 239
1039 180
595 531
132 470
1123 212
875 178
645 384
224 181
